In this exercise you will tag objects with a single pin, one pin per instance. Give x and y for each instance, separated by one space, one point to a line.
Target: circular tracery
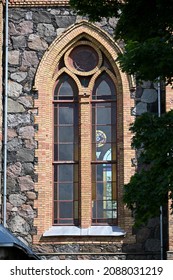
83 59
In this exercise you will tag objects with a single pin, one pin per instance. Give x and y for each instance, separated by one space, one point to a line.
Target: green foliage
150 186
145 26
148 60
96 9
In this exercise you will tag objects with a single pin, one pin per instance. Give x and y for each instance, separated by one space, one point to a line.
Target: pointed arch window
70 135
65 164
104 200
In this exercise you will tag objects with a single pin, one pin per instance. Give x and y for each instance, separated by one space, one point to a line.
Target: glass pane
76 187
66 209
66 173
100 189
66 152
55 114
66 221
66 134
55 191
76 209
55 210
55 134
101 152
100 209
65 89
103 89
103 115
55 173
55 152
66 191
103 134
66 115
94 209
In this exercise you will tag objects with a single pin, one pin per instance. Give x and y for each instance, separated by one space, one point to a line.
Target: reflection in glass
104 151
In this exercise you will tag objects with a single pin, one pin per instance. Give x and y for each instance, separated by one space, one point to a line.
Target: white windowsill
77 231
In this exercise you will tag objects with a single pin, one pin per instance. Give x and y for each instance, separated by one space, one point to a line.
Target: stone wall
31 31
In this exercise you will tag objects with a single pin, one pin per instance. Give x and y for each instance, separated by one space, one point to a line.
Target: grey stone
47 30
139 109
30 59
18 76
28 168
41 16
36 43
28 86
149 95
18 119
26 211
11 133
65 12
65 21
18 42
30 144
59 31
25 27
146 84
26 183
12 29
152 245
16 14
31 195
9 207
14 89
28 16
26 132
14 170
25 155
101 23
13 57
14 106
14 144
17 199
11 185
113 22
139 91
18 224
26 101
55 12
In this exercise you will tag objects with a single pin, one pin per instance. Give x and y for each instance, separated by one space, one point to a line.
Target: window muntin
104 205
66 155
65 152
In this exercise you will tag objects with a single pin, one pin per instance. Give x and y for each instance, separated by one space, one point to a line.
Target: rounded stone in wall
18 224
149 95
17 199
15 107
139 109
14 89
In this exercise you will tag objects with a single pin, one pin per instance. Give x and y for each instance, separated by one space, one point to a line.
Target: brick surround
44 82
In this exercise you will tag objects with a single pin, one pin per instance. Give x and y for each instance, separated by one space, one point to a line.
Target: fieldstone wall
31 31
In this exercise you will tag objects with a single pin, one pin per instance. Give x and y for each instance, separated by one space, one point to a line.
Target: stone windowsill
77 231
